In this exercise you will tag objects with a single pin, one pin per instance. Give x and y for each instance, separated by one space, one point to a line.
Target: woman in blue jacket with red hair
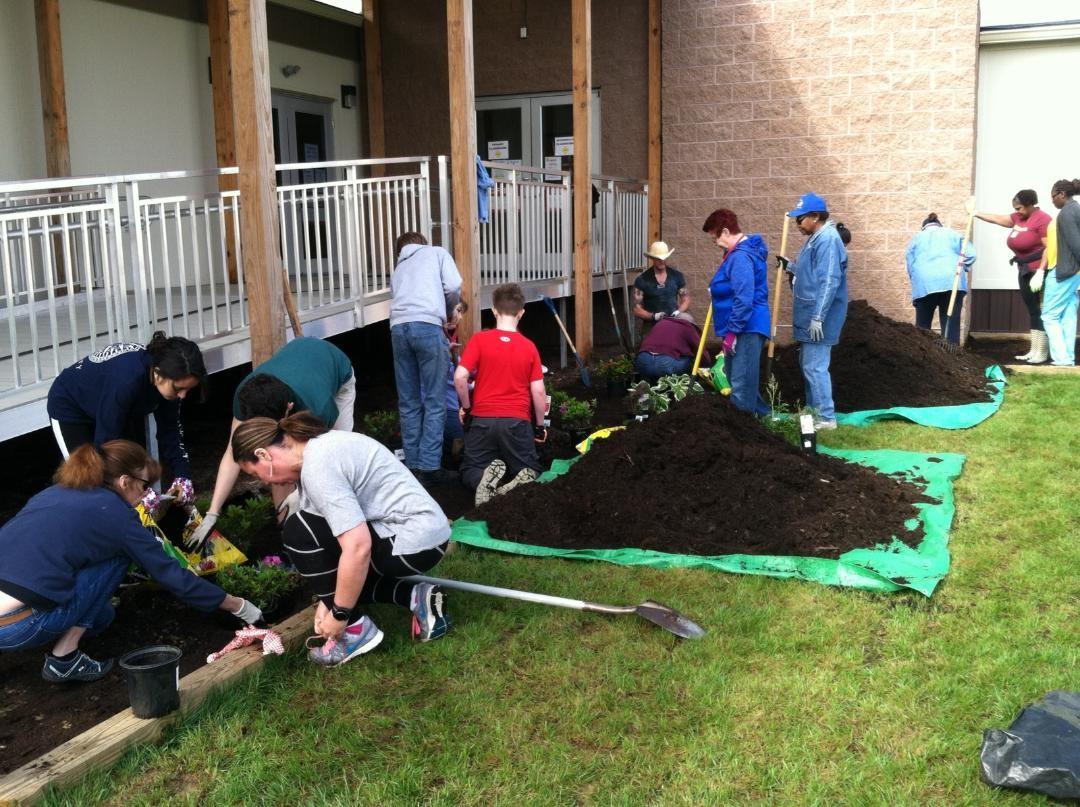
740 303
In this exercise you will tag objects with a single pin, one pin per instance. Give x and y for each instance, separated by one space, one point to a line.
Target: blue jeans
420 359
88 607
814 362
1059 317
652 366
743 369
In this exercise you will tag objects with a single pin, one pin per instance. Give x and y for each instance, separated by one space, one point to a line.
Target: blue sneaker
80 668
426 603
358 639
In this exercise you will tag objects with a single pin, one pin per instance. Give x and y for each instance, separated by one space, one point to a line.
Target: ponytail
89 467
1069 188
843 232
257 433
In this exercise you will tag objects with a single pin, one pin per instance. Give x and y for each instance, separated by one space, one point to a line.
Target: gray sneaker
523 477
357 640
824 425
489 482
80 668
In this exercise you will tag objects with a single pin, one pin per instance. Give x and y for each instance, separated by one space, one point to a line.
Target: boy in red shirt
504 415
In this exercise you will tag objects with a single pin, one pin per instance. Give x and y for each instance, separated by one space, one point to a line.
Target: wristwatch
340 613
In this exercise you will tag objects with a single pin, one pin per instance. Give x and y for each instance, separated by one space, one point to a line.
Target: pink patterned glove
183 490
150 501
729 343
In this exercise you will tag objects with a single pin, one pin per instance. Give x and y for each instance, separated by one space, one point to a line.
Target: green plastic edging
939 417
886 567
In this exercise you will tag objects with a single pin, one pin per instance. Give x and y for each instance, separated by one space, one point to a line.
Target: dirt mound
707 479
880 363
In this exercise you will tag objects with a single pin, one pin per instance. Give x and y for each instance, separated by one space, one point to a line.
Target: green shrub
615 368
381 425
263 583
240 523
575 414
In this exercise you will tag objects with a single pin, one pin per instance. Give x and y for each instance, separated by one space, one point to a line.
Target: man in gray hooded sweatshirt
425 285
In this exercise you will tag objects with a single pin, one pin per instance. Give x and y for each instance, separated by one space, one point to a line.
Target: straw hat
659 250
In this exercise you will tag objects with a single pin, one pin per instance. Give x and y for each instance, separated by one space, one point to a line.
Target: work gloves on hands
202 532
540 435
183 490
248 612
466 418
784 263
659 315
816 330
1036 282
729 344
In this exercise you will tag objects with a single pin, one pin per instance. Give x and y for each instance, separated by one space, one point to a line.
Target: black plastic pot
153 678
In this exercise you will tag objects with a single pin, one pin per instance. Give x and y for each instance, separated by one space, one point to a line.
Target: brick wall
870 103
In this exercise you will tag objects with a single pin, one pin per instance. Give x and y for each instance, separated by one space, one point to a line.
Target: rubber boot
1040 349
1031 347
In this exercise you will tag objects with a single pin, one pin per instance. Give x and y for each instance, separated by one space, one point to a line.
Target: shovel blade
670 620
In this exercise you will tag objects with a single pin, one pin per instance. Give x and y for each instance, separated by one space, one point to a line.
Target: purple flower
271 560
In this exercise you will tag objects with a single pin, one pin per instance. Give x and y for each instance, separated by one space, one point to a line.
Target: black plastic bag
1040 751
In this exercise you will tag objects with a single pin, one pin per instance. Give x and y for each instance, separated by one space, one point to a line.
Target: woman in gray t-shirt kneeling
364 522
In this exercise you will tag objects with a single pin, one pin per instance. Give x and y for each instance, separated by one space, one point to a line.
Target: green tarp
888 567
940 417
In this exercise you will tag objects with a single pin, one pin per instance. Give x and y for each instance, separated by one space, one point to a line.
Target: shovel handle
960 261
551 306
506 593
701 341
774 309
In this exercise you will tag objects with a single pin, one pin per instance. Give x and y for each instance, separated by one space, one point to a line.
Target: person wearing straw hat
657 290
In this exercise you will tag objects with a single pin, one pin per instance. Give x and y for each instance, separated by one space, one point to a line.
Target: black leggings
1032 300
939 301
315 552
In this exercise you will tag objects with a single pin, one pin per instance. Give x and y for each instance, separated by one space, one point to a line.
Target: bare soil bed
706 479
881 363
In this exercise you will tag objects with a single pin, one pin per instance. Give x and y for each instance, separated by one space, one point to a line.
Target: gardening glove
782 263
183 490
816 330
1036 282
540 435
202 532
729 344
248 612
659 315
151 501
466 418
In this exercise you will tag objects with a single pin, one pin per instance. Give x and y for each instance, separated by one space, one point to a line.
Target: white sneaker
489 482
824 425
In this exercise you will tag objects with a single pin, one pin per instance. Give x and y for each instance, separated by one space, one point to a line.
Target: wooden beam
217 15
581 33
51 78
374 78
654 120
254 136
466 231
103 744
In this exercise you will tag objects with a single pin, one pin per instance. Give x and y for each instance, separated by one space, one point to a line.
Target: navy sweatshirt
112 387
61 531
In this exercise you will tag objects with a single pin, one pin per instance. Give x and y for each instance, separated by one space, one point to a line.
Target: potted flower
616 372
575 417
265 583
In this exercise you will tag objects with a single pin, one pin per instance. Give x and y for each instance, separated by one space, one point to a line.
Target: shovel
969 205
583 371
775 307
666 618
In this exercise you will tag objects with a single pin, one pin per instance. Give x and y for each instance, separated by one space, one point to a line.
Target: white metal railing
85 261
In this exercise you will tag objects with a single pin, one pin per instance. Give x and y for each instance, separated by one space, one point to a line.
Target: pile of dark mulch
881 363
707 479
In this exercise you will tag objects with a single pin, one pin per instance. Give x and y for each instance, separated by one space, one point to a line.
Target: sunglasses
145 482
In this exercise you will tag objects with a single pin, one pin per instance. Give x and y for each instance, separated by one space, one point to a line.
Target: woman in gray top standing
1063 280
364 522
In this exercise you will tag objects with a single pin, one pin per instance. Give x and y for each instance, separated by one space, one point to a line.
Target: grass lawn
799 694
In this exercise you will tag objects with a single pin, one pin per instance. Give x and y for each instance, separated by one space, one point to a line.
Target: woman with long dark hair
106 395
1027 239
67 550
364 523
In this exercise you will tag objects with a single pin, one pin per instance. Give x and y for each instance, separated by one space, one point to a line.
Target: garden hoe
969 205
666 618
583 371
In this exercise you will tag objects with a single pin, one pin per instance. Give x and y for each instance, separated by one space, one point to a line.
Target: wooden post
51 77
463 158
581 32
374 78
254 135
654 120
217 14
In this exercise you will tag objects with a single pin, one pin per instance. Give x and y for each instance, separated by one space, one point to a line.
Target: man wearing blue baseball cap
819 295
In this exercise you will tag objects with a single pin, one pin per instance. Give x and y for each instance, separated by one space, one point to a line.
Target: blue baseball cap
808 203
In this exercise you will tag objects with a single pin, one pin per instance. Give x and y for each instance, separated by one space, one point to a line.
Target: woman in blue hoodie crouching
740 305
